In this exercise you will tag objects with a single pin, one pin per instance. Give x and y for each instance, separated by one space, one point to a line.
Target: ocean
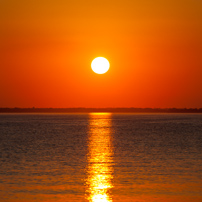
101 157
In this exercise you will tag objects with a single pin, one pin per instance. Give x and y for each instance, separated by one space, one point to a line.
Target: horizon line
97 109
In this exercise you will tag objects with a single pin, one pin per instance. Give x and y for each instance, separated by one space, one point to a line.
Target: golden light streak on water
100 158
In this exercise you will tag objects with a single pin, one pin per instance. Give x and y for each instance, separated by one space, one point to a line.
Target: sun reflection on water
100 158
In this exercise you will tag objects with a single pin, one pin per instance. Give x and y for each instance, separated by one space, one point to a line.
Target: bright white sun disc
100 65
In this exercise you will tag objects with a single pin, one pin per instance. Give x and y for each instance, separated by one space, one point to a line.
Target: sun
100 65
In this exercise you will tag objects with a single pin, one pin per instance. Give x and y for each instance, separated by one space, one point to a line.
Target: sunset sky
154 48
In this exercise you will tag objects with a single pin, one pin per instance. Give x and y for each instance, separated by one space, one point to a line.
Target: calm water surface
100 157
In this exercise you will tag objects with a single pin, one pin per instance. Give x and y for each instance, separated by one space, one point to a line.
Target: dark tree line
87 110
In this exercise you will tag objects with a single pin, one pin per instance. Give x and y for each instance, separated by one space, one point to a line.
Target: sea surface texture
101 157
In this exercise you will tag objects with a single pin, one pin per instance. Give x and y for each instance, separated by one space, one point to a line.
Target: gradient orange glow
154 49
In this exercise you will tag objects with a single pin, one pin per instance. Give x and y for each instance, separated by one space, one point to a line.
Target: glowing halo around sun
100 65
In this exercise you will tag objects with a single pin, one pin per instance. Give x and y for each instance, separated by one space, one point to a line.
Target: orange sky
154 49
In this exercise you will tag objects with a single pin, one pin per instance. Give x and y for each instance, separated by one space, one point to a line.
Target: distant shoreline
89 110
